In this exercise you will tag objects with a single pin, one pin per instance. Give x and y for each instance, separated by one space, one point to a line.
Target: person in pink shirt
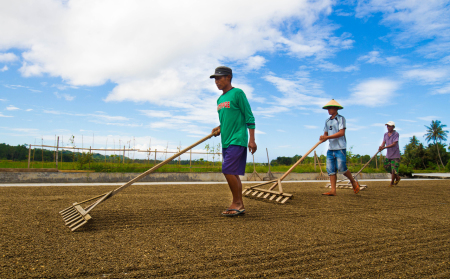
392 161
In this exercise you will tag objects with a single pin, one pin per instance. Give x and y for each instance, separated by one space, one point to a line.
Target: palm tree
436 133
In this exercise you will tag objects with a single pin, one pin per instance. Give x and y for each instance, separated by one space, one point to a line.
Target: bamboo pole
123 158
190 159
29 155
57 152
155 157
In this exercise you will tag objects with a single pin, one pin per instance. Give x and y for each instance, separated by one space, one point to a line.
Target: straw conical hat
333 103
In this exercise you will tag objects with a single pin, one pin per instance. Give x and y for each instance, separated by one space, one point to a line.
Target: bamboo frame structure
321 176
269 176
254 173
271 194
76 216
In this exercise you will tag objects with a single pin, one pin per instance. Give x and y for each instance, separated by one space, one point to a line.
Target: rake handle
361 168
301 159
142 175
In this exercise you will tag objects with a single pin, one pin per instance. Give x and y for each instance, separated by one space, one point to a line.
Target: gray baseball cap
222 71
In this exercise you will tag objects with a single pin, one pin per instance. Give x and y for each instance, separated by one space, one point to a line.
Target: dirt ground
177 231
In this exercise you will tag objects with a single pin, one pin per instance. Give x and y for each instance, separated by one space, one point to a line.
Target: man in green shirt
235 116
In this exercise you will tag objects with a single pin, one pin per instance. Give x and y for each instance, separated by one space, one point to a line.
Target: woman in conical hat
334 132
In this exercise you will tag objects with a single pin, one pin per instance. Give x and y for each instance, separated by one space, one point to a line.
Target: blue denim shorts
336 161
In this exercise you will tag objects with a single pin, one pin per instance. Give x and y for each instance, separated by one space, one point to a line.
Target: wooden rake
349 185
271 194
76 216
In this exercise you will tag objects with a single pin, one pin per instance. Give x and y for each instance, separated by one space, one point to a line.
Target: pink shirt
392 152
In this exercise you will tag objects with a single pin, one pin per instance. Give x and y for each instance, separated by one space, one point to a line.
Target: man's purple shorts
234 159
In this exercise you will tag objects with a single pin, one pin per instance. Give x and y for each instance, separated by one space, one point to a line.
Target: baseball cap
390 123
222 71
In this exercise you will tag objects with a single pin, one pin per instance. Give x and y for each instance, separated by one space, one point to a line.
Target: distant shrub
404 170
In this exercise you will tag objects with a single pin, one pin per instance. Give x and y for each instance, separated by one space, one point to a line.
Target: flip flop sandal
237 212
356 190
328 194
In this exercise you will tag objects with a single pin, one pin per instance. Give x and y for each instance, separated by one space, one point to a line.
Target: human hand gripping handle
216 131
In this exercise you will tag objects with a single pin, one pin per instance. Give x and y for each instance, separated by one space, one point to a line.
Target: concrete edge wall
99 177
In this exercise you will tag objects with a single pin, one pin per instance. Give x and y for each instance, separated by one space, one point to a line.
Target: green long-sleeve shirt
235 117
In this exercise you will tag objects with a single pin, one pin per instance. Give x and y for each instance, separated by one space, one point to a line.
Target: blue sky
138 73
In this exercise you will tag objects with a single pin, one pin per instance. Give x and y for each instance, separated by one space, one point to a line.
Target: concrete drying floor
176 231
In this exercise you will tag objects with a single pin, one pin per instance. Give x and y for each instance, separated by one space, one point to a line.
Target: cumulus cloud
4 69
373 92
254 63
2 115
8 57
153 54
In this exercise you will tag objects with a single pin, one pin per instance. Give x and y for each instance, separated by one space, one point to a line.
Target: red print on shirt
223 105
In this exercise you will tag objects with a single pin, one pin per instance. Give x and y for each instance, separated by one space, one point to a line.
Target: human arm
382 146
388 146
251 142
326 137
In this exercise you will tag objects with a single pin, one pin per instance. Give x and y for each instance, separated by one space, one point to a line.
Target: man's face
390 128
332 110
222 81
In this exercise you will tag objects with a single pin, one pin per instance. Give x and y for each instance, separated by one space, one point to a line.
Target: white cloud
413 21
374 57
96 116
443 90
427 75
270 111
328 66
2 100
28 109
8 57
4 69
408 120
429 118
156 58
378 124
281 131
156 113
373 92
254 63
2 115
11 107
259 132
311 127
410 135
67 97
297 91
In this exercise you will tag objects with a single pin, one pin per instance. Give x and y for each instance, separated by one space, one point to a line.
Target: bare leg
234 182
355 184
393 176
333 180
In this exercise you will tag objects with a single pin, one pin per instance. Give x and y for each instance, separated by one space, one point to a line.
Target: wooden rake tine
76 216
278 181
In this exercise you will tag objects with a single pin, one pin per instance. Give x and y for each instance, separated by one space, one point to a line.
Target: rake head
75 216
346 186
267 194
